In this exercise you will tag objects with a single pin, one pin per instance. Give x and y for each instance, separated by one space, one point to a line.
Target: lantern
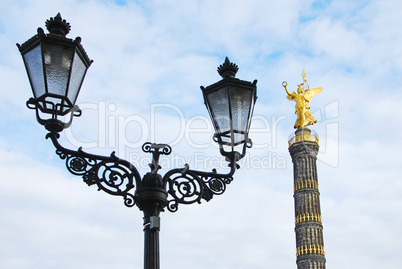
56 68
230 103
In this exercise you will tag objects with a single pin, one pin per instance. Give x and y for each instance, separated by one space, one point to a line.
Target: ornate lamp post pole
56 68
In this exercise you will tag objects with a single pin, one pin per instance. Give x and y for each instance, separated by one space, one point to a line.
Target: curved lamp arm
187 186
111 174
118 177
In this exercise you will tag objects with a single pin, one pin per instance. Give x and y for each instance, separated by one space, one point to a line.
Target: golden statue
302 97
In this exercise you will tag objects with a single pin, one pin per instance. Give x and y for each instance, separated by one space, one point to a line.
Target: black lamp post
56 67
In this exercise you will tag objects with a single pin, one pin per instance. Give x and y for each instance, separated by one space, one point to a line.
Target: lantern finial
58 26
228 69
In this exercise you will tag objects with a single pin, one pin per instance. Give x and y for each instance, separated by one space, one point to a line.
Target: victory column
303 148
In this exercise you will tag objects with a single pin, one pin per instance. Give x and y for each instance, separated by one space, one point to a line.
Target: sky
150 59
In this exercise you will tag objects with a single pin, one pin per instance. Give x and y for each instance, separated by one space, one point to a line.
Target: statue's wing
310 93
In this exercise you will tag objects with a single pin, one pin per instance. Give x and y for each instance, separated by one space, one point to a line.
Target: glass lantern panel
33 63
241 102
218 103
58 59
77 76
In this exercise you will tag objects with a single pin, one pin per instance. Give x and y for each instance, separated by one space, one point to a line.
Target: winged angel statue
302 98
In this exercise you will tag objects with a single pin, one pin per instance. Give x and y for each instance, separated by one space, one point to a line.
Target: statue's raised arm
290 96
285 84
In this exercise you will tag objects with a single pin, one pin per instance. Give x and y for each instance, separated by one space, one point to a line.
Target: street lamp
56 68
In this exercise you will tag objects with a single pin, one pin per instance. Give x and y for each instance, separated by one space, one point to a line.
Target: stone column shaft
303 148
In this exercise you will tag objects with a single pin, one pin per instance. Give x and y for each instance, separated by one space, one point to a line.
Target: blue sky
150 58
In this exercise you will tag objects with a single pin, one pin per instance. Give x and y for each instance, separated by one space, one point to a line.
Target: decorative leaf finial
58 26
228 69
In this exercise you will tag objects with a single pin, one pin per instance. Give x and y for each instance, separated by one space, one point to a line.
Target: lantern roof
58 29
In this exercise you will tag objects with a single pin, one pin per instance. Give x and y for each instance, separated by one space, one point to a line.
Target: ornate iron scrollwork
156 150
111 174
187 186
119 177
